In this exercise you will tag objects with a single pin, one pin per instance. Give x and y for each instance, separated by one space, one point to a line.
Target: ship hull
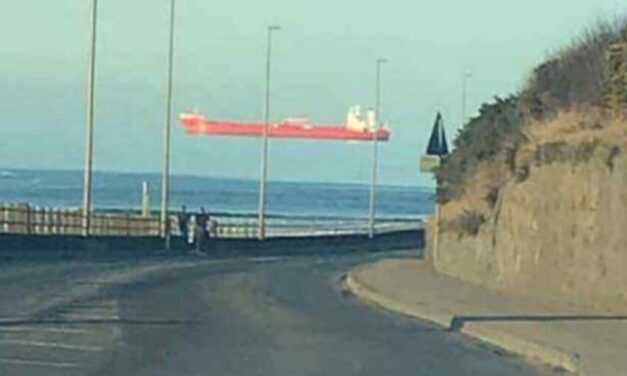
198 125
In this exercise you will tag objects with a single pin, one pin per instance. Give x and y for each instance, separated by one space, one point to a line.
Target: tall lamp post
261 233
466 75
167 130
89 140
375 150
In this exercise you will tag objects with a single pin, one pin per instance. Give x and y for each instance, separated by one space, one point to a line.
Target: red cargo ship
356 128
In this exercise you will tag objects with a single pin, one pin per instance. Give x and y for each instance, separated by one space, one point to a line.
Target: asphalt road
238 317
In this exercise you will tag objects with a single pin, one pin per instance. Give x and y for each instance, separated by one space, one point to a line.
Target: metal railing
293 227
26 219
23 218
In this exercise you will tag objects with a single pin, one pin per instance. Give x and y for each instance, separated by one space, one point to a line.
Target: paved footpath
559 334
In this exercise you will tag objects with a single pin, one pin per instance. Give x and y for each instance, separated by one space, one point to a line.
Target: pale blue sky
324 63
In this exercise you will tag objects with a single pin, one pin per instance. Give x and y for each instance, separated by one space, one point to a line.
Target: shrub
573 78
480 140
614 152
470 222
492 197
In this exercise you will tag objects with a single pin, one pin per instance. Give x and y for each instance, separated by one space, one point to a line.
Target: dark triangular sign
437 142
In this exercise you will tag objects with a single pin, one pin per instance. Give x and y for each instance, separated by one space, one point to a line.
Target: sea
219 196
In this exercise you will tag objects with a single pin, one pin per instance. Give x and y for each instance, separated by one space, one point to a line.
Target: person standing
201 229
183 219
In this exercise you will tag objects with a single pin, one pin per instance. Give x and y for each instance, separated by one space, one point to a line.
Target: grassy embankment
561 113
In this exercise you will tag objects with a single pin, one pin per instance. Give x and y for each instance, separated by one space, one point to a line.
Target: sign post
437 150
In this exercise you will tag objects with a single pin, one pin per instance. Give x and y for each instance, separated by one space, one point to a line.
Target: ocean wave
338 204
7 174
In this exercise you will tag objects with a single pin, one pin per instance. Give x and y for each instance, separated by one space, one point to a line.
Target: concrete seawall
19 246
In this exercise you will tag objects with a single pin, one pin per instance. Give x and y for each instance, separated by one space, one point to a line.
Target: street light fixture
167 131
89 140
264 143
375 150
465 76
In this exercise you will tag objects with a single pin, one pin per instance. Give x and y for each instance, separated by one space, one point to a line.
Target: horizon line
191 175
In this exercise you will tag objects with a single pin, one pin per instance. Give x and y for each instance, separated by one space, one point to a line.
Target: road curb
369 294
535 352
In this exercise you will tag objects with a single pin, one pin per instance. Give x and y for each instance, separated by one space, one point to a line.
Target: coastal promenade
560 334
22 218
27 232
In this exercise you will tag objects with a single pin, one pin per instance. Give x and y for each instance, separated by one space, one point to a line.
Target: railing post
9 216
94 223
14 217
53 223
47 224
38 219
75 219
57 220
106 223
128 224
64 221
28 219
20 220
102 224
3 218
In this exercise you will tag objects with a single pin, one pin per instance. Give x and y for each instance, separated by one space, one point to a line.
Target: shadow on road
44 322
457 323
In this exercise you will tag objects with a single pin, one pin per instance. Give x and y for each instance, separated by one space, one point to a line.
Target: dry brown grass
580 127
489 176
589 127
455 209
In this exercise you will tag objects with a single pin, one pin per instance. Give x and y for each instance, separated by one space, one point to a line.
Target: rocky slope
550 219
